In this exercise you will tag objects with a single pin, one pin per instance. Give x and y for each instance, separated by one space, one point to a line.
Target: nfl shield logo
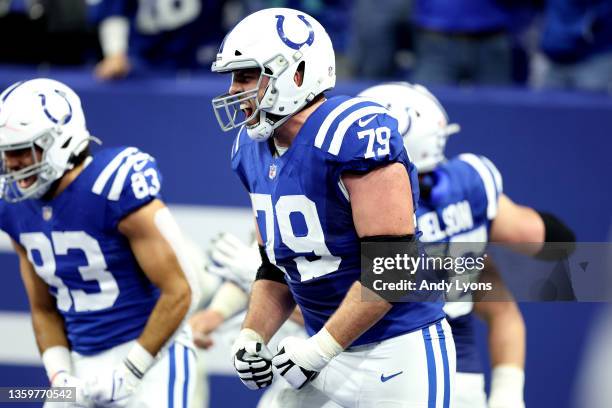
47 213
272 172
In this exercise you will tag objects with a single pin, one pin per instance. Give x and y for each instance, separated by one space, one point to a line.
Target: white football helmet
277 41
422 121
45 117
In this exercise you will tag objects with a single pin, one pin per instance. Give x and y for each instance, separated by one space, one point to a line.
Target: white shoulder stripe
496 175
110 168
337 111
237 142
336 143
487 179
119 181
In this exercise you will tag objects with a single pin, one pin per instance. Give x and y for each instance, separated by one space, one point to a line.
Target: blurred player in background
100 254
462 202
159 34
315 187
237 263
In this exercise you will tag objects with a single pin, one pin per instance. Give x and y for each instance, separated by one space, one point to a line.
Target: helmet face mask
11 188
227 107
278 42
42 128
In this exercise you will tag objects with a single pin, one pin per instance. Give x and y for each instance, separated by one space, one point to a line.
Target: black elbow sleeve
267 270
555 230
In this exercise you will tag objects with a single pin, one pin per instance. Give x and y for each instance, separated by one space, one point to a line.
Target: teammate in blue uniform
99 254
462 201
156 34
323 175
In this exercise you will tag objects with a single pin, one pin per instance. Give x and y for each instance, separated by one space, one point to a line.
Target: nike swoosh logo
364 123
385 379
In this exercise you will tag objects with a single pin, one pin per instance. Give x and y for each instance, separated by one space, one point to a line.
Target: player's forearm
270 305
166 317
48 329
506 335
355 316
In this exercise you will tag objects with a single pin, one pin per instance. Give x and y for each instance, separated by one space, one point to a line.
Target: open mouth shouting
26 182
246 109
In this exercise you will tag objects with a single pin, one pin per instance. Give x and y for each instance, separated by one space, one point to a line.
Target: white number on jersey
145 183
163 15
381 135
313 241
94 270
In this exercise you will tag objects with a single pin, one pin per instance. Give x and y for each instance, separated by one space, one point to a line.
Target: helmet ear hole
67 143
299 74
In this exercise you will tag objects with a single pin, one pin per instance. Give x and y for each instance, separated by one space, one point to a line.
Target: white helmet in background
44 116
278 41
422 121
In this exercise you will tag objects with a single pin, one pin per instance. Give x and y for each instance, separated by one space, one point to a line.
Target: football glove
114 388
65 380
299 361
235 260
252 360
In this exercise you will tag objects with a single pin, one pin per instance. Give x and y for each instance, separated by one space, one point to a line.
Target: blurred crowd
564 44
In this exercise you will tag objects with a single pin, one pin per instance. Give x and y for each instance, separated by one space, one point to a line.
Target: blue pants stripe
171 377
186 381
445 365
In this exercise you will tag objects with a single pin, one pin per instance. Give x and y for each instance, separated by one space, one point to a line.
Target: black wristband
267 270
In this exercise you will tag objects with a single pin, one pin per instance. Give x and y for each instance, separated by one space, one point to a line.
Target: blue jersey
167 33
304 214
75 247
460 208
574 30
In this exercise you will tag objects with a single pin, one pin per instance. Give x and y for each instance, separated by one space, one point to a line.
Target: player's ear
298 77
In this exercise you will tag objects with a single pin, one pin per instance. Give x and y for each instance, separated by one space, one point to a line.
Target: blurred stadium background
541 110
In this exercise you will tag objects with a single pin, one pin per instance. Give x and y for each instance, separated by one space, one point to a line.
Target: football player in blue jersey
156 34
99 254
324 175
462 201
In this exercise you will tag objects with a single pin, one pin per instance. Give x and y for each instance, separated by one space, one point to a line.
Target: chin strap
265 128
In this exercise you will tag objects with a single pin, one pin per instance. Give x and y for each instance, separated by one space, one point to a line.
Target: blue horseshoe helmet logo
281 32
43 101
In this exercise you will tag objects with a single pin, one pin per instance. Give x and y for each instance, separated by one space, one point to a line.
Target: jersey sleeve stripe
108 171
237 142
496 174
487 178
124 170
343 190
336 142
337 111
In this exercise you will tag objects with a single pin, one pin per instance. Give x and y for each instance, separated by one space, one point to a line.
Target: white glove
507 384
252 360
115 387
235 260
112 388
300 360
58 364
63 379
